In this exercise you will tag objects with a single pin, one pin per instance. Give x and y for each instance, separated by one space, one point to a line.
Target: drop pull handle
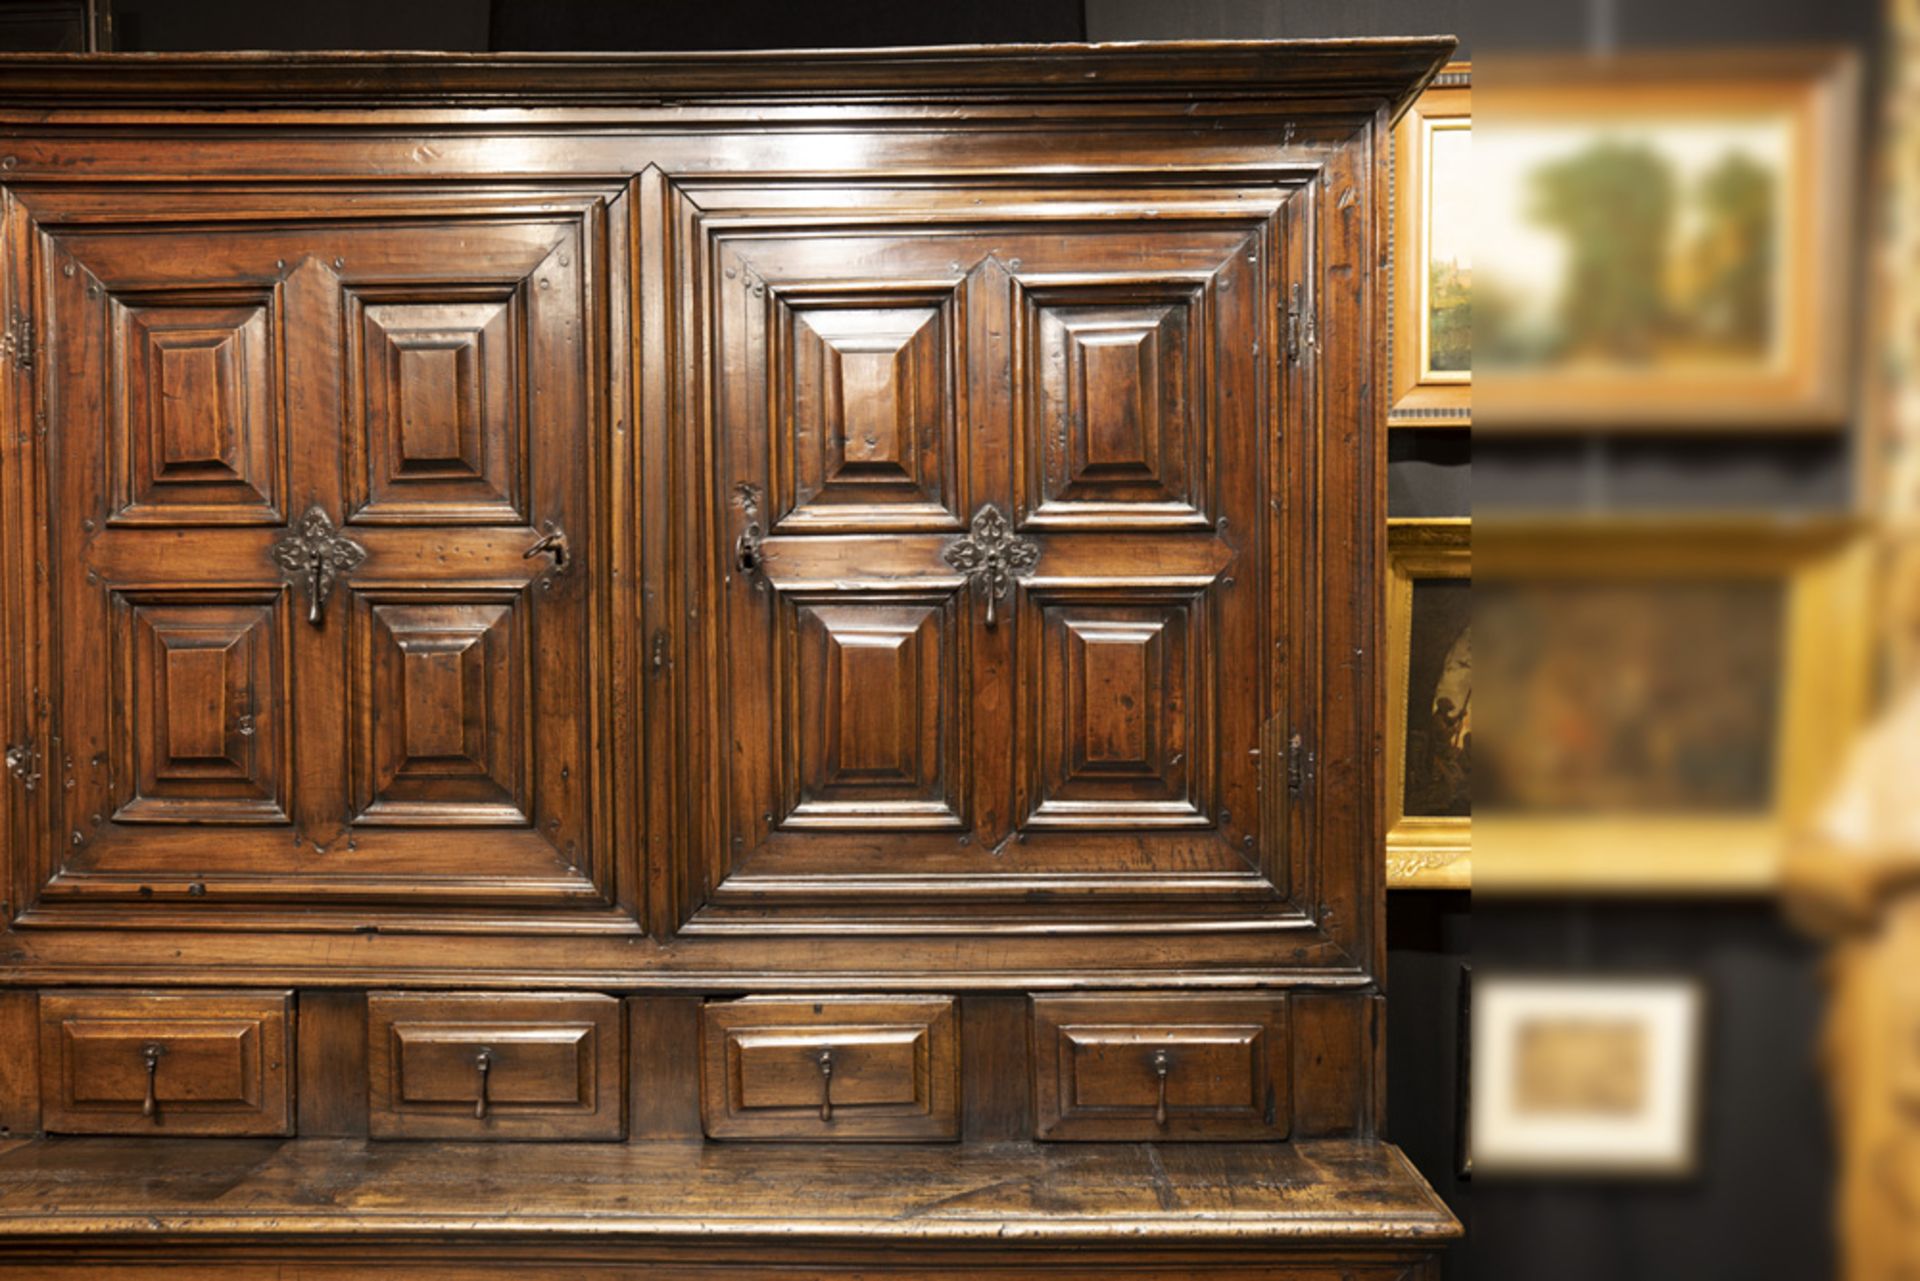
992 557
483 1063
150 1053
1162 1065
825 1062
313 555
553 544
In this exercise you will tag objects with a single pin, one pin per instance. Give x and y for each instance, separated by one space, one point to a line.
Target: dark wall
1760 1208
758 24
1429 946
1277 19
594 25
169 25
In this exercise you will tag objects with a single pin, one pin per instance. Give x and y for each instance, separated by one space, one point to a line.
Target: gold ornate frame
1811 387
1422 852
1419 398
1824 694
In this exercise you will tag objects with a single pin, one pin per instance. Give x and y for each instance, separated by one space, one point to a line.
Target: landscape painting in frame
1665 243
1433 230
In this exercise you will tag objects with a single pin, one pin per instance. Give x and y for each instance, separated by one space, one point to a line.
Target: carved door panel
317 499
998 558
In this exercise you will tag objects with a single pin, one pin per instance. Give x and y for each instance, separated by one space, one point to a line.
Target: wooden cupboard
797 633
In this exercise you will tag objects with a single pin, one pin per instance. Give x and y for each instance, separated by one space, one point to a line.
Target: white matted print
1586 1075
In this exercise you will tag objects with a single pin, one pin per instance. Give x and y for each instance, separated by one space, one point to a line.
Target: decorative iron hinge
1299 767
18 340
23 762
1300 324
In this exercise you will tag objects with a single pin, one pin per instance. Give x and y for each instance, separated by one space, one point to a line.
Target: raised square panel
494 1066
820 1069
1116 723
196 434
1114 403
201 693
870 722
865 389
143 1063
1128 1068
441 434
442 724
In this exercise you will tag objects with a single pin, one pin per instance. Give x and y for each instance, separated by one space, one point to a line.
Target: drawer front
1126 1067
830 1068
494 1067
144 1063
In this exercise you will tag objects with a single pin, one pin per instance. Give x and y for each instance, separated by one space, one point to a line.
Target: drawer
146 1063
1126 1067
830 1068
489 1066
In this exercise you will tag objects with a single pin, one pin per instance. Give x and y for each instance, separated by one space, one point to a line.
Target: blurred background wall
1758 1210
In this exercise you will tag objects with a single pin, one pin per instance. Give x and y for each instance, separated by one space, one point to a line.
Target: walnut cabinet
752 648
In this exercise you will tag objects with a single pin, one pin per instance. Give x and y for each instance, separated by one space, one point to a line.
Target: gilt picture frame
1806 692
1674 233
1429 721
1432 352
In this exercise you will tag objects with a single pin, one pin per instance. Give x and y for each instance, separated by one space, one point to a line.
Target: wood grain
20 1065
332 1076
663 1060
1313 1192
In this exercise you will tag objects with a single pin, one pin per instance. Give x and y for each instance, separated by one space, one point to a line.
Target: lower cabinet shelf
1309 1211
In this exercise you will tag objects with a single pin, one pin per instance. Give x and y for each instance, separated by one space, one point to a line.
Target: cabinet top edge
1391 68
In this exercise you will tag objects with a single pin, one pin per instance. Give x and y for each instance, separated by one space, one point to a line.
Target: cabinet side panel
1332 1065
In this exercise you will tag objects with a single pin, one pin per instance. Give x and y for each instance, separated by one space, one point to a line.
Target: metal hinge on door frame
23 762
1299 767
18 340
1301 329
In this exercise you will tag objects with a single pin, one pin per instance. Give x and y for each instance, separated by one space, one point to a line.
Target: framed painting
1433 256
1429 704
1665 702
1672 235
1586 1075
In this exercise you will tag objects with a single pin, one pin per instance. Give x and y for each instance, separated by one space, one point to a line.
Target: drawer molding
494 1066
827 1069
190 1063
1131 1068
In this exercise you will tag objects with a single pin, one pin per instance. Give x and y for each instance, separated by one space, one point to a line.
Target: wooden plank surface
1332 1192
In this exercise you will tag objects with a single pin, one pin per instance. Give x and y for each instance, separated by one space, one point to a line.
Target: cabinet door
320 540
993 553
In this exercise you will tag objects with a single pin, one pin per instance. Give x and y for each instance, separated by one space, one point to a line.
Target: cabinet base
1319 1211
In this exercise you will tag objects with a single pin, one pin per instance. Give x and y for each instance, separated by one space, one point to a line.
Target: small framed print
1666 700
1432 256
1582 1075
1674 233
1429 704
